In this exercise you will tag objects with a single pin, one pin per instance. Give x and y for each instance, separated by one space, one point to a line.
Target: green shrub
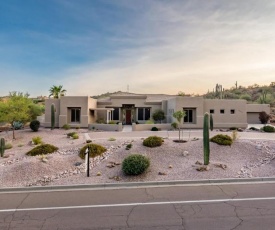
233 128
37 140
66 127
100 121
95 150
149 122
42 149
111 139
112 122
174 125
154 129
75 136
71 134
153 141
253 128
34 125
222 139
268 129
8 146
135 164
77 127
88 141
128 146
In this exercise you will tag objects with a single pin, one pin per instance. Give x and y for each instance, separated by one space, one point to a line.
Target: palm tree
57 91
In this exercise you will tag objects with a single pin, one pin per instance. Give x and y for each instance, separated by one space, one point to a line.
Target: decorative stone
185 153
78 164
170 166
198 163
98 174
162 173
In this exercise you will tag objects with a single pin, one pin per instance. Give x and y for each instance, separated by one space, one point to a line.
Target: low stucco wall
143 127
106 127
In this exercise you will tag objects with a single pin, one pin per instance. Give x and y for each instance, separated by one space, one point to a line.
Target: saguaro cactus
52 116
2 147
206 147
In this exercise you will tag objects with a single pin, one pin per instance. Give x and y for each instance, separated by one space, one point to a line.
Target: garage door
253 118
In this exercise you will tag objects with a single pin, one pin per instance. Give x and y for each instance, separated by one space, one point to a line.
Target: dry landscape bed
244 159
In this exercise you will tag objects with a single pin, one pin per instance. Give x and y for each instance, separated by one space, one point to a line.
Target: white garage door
253 118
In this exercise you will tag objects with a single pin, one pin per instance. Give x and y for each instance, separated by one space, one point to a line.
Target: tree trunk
13 134
179 134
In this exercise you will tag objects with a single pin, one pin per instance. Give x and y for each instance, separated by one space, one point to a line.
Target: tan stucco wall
48 103
227 120
178 103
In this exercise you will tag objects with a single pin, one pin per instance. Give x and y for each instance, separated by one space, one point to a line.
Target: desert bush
8 146
34 125
222 139
112 122
66 127
42 149
17 125
88 141
100 121
174 125
77 127
37 140
233 128
135 164
95 150
154 129
75 136
111 139
129 146
152 141
264 117
268 129
253 128
71 134
158 115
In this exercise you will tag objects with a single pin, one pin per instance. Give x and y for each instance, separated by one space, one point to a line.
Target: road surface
186 207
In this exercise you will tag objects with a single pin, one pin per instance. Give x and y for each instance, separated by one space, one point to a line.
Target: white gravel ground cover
244 159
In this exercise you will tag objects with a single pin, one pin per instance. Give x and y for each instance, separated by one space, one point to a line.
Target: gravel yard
171 161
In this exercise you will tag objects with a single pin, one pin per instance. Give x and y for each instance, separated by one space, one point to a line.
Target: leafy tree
57 91
15 108
264 117
158 115
179 115
36 110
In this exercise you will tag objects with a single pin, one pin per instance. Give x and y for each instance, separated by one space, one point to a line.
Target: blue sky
154 46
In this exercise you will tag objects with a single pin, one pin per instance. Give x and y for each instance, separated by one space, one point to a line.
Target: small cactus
2 147
52 116
206 146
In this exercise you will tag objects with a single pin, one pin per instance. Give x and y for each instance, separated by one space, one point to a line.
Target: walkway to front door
127 128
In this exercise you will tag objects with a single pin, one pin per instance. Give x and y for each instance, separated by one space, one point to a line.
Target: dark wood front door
128 117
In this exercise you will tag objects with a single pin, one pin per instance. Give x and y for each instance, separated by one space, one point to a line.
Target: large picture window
143 114
114 114
75 114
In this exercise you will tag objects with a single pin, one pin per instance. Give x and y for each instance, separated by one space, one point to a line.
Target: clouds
159 46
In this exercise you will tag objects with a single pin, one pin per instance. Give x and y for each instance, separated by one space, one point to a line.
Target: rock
259 147
110 165
98 174
198 163
185 153
162 173
170 166
223 166
78 164
203 168
44 160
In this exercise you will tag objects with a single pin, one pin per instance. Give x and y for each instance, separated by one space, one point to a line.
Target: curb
139 184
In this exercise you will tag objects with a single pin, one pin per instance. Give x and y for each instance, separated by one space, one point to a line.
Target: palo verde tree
158 115
179 115
57 91
15 108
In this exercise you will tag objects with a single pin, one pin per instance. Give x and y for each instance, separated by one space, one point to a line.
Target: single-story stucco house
128 108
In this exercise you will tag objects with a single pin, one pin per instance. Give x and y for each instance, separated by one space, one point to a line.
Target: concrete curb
138 184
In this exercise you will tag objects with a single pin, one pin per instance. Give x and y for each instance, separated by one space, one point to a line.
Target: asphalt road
221 206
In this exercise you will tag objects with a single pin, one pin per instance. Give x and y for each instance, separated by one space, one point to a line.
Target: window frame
75 115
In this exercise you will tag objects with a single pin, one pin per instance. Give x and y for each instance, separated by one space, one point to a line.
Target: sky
147 46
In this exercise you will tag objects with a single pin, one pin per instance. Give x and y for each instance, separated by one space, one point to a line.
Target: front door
128 117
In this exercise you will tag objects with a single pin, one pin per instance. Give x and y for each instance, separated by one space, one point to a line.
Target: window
75 115
189 115
222 111
212 111
115 114
143 114
232 111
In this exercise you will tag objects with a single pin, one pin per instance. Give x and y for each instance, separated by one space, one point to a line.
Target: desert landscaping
245 158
